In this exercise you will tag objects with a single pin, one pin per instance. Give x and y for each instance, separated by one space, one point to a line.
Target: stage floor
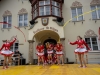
68 69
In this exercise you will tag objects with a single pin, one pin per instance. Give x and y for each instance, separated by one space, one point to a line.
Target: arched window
7 17
92 40
22 17
76 10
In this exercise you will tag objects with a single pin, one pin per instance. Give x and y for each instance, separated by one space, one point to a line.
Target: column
62 40
30 51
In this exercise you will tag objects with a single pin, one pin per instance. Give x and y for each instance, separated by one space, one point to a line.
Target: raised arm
86 45
11 43
74 43
2 47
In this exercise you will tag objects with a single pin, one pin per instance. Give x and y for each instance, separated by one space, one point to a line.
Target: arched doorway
46 35
50 40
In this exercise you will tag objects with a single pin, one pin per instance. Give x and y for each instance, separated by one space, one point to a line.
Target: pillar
30 51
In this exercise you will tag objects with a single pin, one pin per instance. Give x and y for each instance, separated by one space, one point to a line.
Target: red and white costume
50 49
80 46
59 49
6 46
40 50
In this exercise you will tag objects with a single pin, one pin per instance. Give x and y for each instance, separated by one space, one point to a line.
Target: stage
68 69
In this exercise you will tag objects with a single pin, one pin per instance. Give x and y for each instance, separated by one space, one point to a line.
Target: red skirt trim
6 54
80 52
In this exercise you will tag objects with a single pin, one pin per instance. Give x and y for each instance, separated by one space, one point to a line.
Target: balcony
46 8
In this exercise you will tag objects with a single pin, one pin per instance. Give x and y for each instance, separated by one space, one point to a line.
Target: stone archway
46 34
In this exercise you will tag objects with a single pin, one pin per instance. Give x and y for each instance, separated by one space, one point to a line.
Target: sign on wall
47 28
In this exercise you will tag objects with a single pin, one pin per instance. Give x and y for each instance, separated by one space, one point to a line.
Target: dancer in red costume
40 53
59 53
80 50
6 52
49 51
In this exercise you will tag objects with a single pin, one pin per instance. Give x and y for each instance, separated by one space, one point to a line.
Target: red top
7 45
40 48
80 44
59 47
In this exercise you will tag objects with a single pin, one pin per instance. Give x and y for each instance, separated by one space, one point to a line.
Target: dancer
6 52
80 49
40 53
59 53
49 51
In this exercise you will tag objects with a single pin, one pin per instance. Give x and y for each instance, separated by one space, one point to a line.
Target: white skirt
50 52
59 52
80 50
40 54
6 52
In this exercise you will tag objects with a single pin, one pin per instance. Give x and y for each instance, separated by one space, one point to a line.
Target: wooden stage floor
68 69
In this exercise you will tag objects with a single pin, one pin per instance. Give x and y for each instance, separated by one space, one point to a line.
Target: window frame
92 45
7 22
15 46
76 9
96 12
23 20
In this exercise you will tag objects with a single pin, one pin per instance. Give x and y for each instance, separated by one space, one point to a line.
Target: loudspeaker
32 22
62 1
59 19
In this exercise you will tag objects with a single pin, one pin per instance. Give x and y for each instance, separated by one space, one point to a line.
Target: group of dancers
54 52
81 49
50 53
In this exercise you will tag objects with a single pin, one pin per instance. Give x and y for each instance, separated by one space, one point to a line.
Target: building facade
42 21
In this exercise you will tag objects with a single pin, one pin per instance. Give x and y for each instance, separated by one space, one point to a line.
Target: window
44 10
23 20
35 13
92 43
77 12
95 14
15 46
47 8
56 8
7 19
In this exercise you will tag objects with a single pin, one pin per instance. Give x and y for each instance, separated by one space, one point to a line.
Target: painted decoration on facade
7 13
45 21
76 4
22 11
90 33
95 2
47 28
